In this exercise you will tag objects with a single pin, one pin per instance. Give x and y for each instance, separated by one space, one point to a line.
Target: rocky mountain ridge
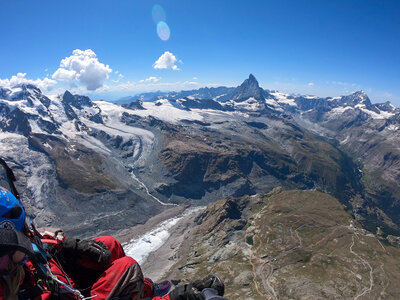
132 161
275 100
287 245
368 133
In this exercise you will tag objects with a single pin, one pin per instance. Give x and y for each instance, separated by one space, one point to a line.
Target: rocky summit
249 89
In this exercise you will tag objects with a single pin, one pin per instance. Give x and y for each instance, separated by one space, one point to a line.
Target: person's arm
209 288
91 254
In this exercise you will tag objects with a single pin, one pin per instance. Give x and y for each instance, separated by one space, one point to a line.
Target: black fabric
186 292
94 251
82 276
211 294
90 250
12 240
211 281
69 245
75 252
30 293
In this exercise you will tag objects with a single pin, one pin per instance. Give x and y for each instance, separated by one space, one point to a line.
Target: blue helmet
12 214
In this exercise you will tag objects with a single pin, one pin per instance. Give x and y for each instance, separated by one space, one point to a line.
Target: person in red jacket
77 269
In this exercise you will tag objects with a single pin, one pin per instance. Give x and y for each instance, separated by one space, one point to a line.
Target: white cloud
120 76
195 78
84 67
311 84
64 74
44 84
166 61
151 79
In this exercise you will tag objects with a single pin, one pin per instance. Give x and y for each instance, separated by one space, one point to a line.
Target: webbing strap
11 178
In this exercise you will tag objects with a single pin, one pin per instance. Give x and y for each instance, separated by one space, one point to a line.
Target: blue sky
307 46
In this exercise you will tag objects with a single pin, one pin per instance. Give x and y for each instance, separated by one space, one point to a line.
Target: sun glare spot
163 31
158 13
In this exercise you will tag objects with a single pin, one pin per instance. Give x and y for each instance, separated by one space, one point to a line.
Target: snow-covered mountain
249 96
99 166
67 153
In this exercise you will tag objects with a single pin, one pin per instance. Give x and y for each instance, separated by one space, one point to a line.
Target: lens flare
158 13
163 31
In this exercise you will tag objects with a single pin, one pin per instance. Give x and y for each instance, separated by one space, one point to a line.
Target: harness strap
11 178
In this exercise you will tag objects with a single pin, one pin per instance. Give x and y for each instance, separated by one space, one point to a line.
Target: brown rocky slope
288 245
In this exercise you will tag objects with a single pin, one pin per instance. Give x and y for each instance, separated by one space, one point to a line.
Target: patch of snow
24 106
216 98
35 127
140 247
57 110
345 140
92 143
38 170
165 112
37 181
333 98
274 104
224 114
86 111
341 109
14 91
271 102
338 111
114 126
360 105
250 104
284 98
381 115
392 127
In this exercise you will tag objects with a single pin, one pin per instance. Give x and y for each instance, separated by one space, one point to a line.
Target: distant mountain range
273 99
97 167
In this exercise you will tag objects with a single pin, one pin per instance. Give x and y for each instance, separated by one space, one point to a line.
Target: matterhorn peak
249 89
252 78
251 81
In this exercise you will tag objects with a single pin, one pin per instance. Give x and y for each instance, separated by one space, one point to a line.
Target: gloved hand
186 292
211 281
90 251
194 291
211 294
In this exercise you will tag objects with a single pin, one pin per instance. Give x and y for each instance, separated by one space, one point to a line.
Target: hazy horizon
104 50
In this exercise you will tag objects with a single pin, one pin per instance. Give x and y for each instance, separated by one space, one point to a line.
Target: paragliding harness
40 256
